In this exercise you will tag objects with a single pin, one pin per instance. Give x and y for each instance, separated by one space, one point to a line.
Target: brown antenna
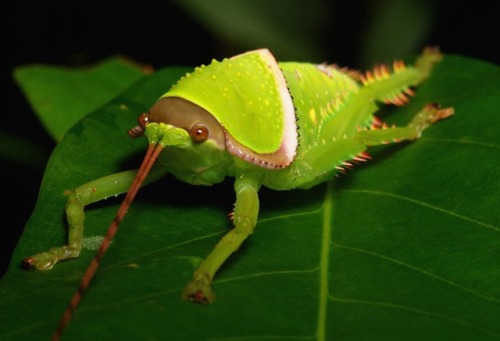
152 153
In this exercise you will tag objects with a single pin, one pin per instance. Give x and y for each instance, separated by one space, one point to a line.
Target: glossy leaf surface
61 96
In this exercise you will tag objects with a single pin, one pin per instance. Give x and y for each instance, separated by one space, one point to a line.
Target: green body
280 125
329 108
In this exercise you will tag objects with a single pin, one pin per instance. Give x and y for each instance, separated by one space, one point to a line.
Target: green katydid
285 126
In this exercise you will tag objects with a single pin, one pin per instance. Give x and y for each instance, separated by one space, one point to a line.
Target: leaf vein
285 216
421 203
465 142
265 337
324 263
414 310
424 272
263 274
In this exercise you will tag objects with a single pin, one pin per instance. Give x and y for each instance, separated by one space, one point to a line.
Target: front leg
80 197
244 218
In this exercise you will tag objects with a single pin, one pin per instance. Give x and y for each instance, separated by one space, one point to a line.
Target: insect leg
80 197
244 219
430 114
321 161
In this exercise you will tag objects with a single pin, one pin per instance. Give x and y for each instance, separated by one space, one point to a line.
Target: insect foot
41 261
430 114
441 113
199 290
47 260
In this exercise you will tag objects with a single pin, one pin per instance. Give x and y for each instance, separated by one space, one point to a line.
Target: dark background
164 33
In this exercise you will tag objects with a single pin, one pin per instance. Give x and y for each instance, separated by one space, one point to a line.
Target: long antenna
152 153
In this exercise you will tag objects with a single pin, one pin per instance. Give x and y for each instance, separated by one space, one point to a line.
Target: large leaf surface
61 96
402 247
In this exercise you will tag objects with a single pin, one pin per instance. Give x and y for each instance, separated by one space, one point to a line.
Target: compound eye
143 120
199 133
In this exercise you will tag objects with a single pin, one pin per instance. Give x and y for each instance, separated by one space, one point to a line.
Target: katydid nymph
282 125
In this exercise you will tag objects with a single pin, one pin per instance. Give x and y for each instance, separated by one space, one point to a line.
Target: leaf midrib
324 262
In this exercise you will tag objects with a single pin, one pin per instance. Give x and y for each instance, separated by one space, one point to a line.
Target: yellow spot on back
312 115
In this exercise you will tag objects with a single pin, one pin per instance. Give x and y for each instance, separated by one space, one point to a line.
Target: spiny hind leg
322 161
431 113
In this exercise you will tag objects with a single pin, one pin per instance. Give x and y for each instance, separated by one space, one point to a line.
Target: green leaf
404 247
61 96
